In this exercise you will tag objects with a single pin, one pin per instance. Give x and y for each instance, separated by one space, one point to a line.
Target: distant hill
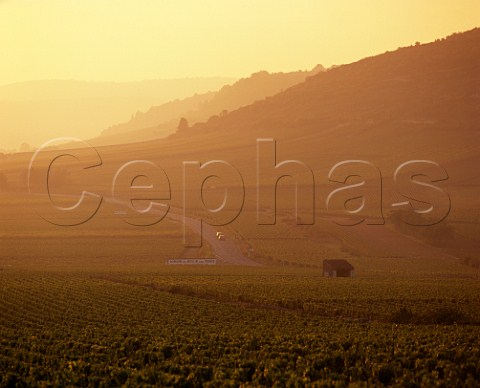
162 120
35 111
434 84
421 101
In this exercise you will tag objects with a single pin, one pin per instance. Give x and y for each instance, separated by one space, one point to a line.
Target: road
226 251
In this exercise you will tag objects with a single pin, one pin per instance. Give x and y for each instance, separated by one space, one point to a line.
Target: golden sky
143 39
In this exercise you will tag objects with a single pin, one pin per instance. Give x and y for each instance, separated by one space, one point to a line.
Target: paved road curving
226 251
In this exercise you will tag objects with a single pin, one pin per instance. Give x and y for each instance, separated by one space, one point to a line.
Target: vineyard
231 326
97 306
394 299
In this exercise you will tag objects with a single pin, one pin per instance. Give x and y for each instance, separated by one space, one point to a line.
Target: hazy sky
143 39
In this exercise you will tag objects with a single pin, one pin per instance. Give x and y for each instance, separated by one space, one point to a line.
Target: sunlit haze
135 40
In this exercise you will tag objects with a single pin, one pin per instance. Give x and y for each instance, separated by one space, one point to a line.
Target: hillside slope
162 120
435 83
